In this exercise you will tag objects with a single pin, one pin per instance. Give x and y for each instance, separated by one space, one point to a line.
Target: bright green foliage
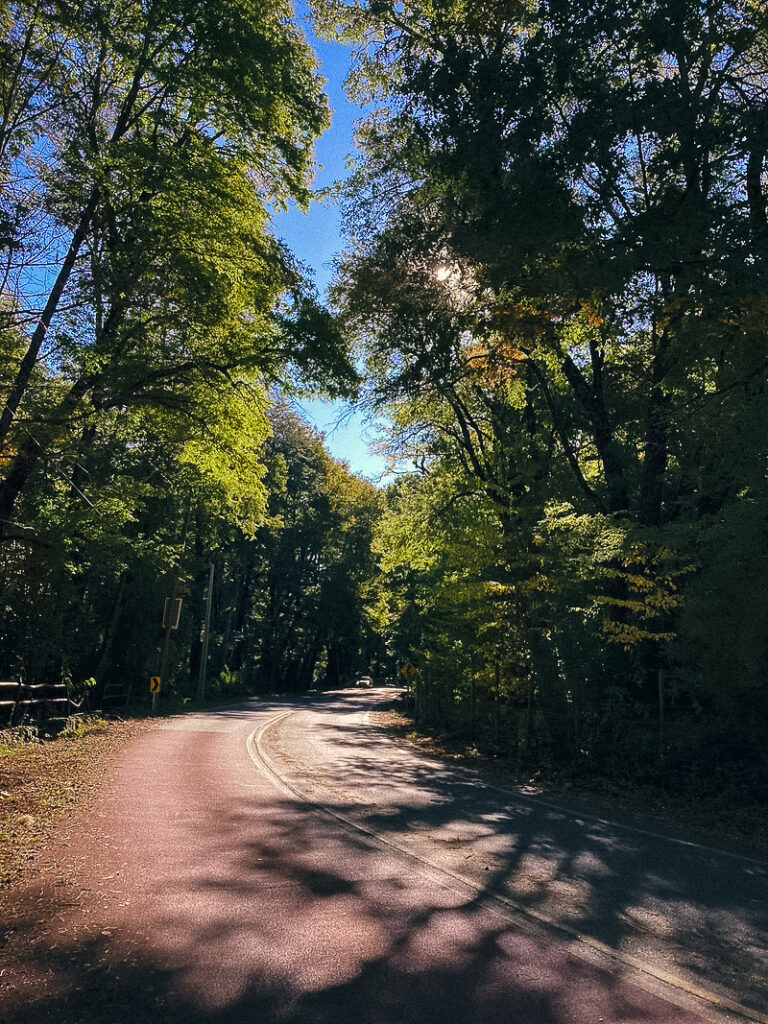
154 140
148 316
294 567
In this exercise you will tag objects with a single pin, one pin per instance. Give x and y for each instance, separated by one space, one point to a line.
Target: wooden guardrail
41 702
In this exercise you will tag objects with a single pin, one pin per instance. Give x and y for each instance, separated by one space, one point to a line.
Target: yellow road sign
408 671
155 684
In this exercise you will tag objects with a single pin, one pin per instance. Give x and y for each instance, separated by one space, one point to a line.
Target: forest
554 291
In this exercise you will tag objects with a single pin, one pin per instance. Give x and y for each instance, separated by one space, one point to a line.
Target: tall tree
149 141
310 619
556 262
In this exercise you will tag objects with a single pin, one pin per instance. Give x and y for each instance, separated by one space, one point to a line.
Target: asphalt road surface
289 862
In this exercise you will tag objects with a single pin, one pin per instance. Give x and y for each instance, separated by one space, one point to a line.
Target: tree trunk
662 708
28 363
21 469
109 639
592 400
755 195
33 448
656 442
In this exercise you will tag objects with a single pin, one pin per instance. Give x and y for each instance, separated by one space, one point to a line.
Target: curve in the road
311 888
671 987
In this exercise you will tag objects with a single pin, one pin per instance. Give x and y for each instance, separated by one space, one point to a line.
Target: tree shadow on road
624 886
303 923
361 943
278 912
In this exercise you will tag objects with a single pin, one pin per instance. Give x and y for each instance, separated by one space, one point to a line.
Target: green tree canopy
557 268
145 147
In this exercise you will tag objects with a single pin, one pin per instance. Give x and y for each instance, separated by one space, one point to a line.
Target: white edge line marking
533 798
261 760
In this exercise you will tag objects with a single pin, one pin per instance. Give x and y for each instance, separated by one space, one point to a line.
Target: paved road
288 862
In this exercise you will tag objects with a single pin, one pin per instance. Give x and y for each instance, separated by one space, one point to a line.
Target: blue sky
315 238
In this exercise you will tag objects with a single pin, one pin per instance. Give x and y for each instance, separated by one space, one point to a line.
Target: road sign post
172 609
172 612
171 615
206 632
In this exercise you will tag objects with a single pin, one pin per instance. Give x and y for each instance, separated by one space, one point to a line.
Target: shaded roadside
653 894
738 828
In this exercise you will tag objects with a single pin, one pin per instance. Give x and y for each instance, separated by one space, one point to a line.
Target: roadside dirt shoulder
43 783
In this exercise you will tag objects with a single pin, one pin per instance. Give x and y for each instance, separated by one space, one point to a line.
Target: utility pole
170 619
206 633
171 614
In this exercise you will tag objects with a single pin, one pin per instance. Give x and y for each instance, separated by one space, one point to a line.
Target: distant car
364 681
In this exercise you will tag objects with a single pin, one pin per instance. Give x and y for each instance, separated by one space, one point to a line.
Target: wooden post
496 695
662 740
171 608
206 632
472 709
166 639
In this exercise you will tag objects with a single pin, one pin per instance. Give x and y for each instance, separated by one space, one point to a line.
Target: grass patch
87 725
